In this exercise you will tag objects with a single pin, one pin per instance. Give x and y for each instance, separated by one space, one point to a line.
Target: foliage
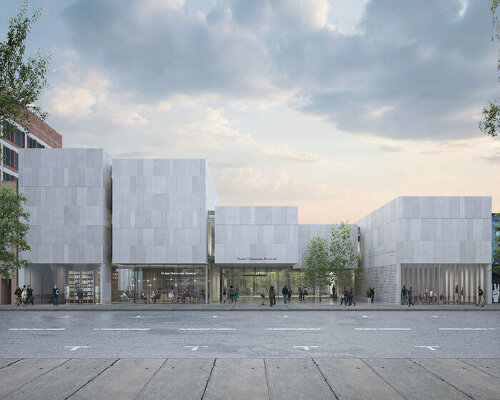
22 80
331 261
490 125
13 231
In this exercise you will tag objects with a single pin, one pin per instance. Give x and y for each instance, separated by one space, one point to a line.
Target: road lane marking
365 316
121 329
306 348
73 348
207 329
467 329
435 316
136 317
214 316
432 348
37 329
194 348
293 329
382 329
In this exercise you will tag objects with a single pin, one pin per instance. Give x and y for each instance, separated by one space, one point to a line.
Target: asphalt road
443 334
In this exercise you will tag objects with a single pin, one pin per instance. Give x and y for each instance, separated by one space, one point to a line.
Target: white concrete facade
256 235
423 230
160 210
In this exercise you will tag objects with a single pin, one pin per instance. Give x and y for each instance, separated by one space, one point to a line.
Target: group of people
231 295
347 296
431 297
24 296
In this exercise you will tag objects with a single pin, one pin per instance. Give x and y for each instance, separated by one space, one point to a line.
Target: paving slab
488 365
7 361
412 381
123 380
477 384
353 379
20 373
62 381
234 379
184 379
298 379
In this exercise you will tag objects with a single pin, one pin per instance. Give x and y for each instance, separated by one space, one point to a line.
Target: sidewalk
309 306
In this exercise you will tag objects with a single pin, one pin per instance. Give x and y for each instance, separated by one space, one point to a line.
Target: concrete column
105 284
488 285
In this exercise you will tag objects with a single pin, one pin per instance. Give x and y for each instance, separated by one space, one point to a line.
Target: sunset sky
334 106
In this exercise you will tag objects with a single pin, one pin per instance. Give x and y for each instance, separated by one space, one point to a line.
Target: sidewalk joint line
385 380
267 379
324 377
137 395
208 379
473 366
13 362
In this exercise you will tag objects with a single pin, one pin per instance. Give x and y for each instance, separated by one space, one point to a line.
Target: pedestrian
224 295
17 293
24 297
262 295
462 294
29 291
284 292
79 294
272 295
431 296
290 295
343 297
333 291
455 299
305 294
480 300
404 294
55 296
301 293
236 294
410 297
230 293
372 294
350 296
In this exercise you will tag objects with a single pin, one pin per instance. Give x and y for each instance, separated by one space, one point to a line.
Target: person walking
29 291
230 293
410 297
480 300
55 296
262 295
372 294
305 294
350 296
272 295
224 295
343 297
79 293
236 294
17 293
289 294
24 297
284 292
404 294
301 293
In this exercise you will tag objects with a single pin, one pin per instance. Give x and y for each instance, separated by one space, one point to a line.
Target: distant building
495 221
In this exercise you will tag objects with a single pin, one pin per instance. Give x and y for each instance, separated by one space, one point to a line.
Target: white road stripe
467 329
121 329
293 329
382 329
37 329
207 329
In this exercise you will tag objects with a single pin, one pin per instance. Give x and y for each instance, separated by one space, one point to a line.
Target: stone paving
255 379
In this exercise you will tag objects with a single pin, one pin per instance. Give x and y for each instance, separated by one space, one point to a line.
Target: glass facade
160 284
444 283
68 278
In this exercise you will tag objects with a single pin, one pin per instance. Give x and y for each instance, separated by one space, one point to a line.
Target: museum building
154 230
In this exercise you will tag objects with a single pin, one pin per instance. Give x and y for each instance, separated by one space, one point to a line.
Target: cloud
284 152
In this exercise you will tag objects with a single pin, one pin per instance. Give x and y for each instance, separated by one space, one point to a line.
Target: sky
335 106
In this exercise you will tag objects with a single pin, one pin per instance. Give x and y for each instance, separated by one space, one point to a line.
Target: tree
22 80
490 125
13 229
343 254
331 261
317 259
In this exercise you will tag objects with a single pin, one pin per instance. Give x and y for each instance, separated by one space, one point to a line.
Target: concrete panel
488 365
297 379
470 380
235 378
20 373
353 379
4 362
64 380
178 379
128 377
400 374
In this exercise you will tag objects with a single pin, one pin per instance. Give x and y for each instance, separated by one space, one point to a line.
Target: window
20 138
33 144
13 135
9 178
9 157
